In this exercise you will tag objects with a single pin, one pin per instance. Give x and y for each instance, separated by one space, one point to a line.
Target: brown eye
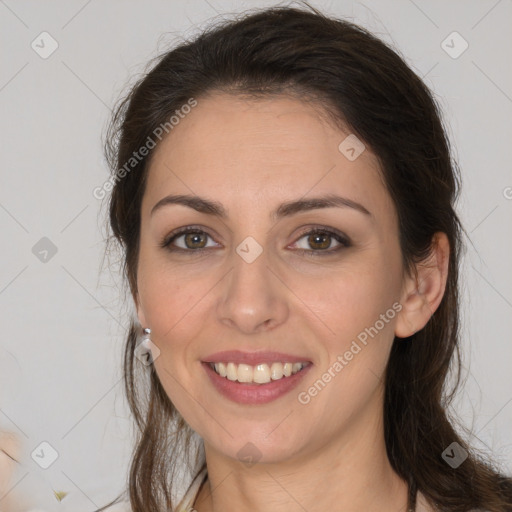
319 241
195 240
188 240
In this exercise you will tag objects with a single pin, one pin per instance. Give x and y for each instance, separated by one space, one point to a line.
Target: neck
350 473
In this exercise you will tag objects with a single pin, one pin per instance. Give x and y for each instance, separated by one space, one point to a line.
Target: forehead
228 144
232 128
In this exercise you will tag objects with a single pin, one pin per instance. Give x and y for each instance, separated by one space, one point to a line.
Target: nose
252 296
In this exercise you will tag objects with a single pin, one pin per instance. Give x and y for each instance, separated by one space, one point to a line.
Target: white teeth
244 373
259 374
276 371
220 368
232 373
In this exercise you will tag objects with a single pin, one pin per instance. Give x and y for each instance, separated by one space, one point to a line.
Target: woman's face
263 283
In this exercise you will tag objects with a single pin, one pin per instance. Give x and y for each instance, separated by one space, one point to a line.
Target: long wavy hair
363 84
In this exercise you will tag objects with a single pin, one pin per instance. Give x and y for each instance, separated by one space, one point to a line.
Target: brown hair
365 85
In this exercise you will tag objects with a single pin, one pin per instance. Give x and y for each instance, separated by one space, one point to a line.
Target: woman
283 192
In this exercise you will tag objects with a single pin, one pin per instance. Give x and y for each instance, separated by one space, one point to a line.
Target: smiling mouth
258 374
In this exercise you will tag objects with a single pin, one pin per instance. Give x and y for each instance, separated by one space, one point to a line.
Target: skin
250 156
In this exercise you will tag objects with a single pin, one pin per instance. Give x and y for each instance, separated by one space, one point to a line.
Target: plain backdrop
63 319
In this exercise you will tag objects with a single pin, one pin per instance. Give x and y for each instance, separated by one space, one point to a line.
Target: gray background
63 319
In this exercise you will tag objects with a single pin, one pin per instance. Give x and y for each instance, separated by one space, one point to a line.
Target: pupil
323 240
194 238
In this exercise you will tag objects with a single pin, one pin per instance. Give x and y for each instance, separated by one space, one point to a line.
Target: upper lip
253 358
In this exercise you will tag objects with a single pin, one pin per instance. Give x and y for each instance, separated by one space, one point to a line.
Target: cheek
357 317
168 301
351 299
357 309
174 300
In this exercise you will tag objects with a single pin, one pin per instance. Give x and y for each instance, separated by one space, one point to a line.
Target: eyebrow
286 209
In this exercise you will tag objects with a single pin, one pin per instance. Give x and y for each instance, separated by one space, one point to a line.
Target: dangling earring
146 351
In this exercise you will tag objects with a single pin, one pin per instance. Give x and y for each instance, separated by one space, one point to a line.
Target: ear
422 293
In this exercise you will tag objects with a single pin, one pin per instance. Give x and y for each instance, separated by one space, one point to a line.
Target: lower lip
243 393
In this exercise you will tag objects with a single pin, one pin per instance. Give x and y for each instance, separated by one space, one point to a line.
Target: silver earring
146 351
146 337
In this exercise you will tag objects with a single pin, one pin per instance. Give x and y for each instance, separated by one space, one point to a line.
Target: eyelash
339 237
